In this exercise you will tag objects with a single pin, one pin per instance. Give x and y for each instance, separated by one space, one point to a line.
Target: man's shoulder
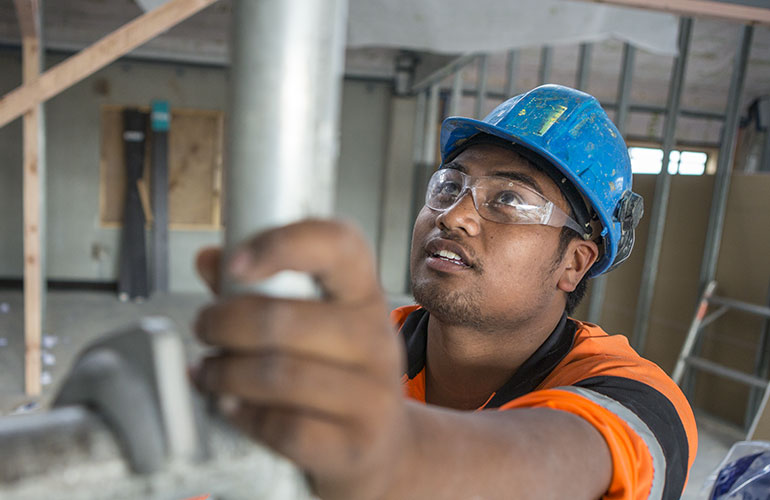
593 339
595 353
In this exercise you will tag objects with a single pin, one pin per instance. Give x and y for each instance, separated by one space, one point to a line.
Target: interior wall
743 272
78 248
11 161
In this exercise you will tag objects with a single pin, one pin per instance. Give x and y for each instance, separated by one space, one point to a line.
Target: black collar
527 377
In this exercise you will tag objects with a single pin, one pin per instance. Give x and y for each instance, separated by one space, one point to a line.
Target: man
526 204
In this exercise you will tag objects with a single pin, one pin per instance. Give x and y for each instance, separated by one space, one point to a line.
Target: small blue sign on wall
161 116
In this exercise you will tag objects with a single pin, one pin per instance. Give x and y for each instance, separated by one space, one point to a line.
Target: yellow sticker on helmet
556 112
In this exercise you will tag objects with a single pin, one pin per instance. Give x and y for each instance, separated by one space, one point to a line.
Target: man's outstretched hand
317 381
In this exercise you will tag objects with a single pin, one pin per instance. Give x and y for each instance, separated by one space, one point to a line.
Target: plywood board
195 169
112 175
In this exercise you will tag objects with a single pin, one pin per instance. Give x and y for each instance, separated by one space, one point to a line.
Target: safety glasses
496 199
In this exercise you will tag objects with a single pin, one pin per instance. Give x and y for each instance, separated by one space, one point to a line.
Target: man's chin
449 306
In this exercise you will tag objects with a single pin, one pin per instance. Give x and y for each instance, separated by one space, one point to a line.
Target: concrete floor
76 318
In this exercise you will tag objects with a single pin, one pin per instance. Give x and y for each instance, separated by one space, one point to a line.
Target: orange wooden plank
708 8
86 62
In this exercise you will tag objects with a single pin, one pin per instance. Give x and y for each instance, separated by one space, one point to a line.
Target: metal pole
510 72
160 123
724 163
544 73
419 127
662 191
287 66
481 89
431 127
599 285
584 66
764 120
761 363
287 63
722 179
418 147
624 87
457 93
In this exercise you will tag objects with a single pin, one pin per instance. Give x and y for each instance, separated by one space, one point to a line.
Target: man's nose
462 215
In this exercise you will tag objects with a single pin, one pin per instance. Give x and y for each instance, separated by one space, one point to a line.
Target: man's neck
465 366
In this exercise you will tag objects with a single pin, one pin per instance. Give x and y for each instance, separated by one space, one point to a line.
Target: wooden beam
89 60
29 19
708 8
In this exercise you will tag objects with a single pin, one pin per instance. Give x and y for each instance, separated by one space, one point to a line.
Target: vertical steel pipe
764 120
426 130
510 73
431 126
457 93
624 87
584 66
721 190
599 285
546 59
419 128
286 77
287 63
481 88
725 161
418 147
662 191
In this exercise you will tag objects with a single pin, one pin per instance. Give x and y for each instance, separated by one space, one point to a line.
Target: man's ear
578 259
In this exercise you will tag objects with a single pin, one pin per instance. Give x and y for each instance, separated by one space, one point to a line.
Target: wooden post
29 22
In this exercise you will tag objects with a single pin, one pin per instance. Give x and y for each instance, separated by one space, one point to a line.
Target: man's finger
311 441
338 332
280 379
207 263
333 252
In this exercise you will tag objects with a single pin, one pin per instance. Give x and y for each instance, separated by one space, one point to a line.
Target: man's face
508 273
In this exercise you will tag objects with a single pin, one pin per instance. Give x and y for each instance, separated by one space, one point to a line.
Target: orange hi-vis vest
641 413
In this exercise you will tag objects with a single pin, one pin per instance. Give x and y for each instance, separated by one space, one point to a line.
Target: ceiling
71 25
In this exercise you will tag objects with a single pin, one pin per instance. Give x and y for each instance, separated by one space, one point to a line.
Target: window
646 160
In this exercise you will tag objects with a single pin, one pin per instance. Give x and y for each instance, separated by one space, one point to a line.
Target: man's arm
525 453
319 382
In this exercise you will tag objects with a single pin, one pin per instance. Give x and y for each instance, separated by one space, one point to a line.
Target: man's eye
508 198
449 188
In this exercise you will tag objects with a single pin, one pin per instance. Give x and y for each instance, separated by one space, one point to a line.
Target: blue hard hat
571 132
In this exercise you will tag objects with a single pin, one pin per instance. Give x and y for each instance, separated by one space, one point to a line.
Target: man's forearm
528 453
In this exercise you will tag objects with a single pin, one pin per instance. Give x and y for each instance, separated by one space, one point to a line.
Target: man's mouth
450 257
447 255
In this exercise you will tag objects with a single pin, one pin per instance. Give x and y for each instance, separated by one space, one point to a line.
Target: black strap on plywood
161 120
132 279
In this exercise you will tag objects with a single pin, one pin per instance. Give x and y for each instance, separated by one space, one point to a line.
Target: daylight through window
649 161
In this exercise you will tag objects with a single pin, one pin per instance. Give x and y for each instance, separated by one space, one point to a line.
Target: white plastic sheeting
460 26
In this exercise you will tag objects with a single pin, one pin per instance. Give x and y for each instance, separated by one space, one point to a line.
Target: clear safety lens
496 199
